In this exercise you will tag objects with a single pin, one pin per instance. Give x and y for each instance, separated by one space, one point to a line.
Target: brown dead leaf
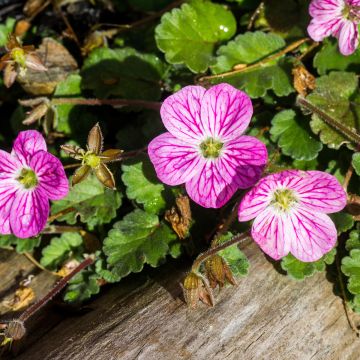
59 63
22 298
180 216
303 80
68 267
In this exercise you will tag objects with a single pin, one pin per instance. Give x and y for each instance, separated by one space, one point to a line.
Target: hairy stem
237 239
334 123
60 214
37 264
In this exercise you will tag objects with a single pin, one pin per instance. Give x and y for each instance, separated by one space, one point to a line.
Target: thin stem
58 229
37 264
289 48
152 105
237 239
60 214
255 15
344 297
335 124
348 176
58 287
308 51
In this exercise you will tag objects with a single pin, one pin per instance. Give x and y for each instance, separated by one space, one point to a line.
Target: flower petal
7 195
225 112
51 175
312 234
27 144
175 161
9 165
348 37
242 161
180 113
270 233
208 188
330 8
320 28
29 213
319 191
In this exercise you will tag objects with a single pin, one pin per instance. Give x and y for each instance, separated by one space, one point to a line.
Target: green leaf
329 58
82 286
188 35
20 245
143 186
294 137
251 48
332 95
354 240
350 266
356 162
59 249
123 72
6 29
94 203
299 270
235 258
343 221
104 273
136 240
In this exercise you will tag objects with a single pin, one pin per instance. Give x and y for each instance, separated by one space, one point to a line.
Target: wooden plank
267 316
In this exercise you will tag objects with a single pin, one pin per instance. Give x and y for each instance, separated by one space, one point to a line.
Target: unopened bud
218 271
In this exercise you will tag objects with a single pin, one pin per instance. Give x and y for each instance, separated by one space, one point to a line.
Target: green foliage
143 186
188 35
356 162
93 203
140 238
350 266
123 72
294 137
299 270
236 259
332 95
21 245
250 48
354 240
329 58
6 29
82 286
343 221
59 249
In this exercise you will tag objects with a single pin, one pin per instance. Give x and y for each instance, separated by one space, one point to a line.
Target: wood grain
267 316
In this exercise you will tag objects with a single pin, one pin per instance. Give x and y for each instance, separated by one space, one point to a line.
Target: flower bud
196 288
218 271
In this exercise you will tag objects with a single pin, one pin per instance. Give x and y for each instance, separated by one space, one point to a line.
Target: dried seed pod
218 271
15 330
196 288
180 216
303 80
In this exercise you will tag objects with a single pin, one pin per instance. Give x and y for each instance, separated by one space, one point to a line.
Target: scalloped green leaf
138 239
342 221
123 72
188 35
294 137
93 203
251 48
59 249
329 58
20 245
143 186
353 242
350 266
332 95
299 270
356 162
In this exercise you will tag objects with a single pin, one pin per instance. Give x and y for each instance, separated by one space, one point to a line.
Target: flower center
28 178
211 148
351 12
91 160
284 199
18 55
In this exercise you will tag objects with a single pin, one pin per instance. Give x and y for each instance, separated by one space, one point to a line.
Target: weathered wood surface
267 316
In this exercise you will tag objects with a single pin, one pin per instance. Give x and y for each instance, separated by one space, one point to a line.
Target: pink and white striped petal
27 144
9 165
269 231
311 234
326 8
51 175
29 213
208 188
180 114
8 191
175 161
225 112
319 191
348 37
242 161
319 29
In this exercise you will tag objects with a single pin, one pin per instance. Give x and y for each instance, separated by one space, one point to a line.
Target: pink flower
290 213
204 147
339 18
29 177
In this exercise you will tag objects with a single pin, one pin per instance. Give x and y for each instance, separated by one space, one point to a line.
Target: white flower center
28 178
284 199
211 148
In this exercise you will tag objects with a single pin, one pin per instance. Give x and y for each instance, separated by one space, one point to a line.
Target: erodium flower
205 148
338 18
290 210
29 178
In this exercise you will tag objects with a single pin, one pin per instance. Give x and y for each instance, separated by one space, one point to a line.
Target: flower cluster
338 18
29 178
